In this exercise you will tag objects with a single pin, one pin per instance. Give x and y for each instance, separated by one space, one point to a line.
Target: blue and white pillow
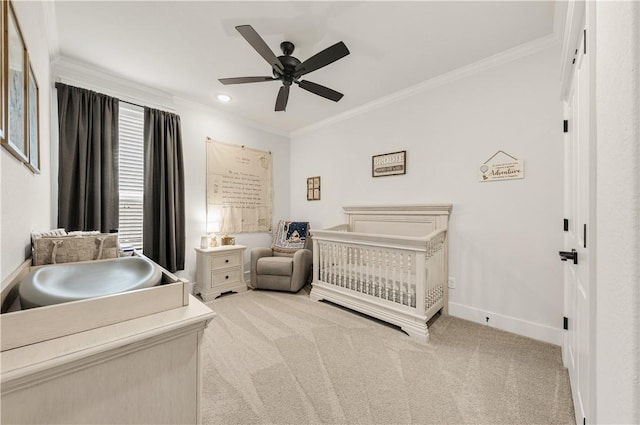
290 236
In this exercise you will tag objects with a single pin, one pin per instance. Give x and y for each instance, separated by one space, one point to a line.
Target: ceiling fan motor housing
289 63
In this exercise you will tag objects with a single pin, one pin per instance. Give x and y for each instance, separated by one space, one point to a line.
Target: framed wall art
389 164
33 121
15 140
313 188
3 80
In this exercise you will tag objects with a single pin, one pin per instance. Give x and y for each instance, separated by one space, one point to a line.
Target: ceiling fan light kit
289 69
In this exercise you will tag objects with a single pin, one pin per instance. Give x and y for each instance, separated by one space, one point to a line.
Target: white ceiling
184 47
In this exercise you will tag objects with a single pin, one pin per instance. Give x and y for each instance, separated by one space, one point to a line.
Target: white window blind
131 162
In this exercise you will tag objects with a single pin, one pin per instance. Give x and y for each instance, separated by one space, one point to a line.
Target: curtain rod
134 104
60 80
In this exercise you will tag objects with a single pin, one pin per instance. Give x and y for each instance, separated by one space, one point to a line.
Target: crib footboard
401 280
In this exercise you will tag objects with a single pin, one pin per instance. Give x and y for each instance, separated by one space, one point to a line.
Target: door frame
580 17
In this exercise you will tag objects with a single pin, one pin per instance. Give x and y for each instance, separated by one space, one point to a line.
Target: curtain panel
163 210
88 160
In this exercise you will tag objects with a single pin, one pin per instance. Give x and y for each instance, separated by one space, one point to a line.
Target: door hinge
566 225
565 126
565 323
584 421
584 235
584 41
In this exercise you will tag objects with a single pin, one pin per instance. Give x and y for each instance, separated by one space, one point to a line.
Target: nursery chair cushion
279 266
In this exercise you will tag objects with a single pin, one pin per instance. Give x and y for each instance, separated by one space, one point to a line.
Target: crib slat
332 261
411 282
370 278
351 269
358 267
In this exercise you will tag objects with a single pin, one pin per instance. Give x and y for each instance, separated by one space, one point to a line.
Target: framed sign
389 164
33 121
501 166
15 140
313 188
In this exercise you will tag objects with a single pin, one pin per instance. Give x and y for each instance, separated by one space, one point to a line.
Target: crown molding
560 9
81 74
228 116
498 59
51 28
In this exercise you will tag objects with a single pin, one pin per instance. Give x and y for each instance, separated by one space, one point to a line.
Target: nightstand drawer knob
226 261
226 277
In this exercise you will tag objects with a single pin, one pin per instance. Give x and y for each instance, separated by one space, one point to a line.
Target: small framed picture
313 188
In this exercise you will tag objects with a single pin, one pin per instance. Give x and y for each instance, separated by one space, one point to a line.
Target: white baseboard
507 323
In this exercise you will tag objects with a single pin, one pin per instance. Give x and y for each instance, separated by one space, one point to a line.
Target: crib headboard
400 220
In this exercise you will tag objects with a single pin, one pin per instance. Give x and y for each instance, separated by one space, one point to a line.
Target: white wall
617 103
198 123
504 236
25 196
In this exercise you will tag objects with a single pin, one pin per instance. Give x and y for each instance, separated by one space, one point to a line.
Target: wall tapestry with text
238 188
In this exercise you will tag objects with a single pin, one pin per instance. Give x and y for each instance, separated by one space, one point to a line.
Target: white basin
59 283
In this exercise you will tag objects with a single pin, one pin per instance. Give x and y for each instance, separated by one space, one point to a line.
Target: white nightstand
220 270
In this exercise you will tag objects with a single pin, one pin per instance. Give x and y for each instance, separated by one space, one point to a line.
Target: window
131 163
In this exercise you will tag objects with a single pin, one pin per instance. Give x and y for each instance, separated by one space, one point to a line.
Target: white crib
389 262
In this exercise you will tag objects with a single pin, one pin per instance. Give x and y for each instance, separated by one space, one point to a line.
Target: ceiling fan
289 69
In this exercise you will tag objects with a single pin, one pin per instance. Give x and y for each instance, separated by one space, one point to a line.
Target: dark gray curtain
88 160
163 212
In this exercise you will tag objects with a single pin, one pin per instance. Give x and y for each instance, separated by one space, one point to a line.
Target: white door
578 183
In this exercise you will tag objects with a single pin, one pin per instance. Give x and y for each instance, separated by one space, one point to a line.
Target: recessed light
224 98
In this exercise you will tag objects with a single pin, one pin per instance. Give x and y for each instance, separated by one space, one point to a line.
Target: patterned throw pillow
290 236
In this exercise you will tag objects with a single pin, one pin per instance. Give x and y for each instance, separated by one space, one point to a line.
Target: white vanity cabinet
133 357
219 270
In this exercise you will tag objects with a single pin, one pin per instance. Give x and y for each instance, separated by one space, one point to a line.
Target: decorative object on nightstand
227 240
213 227
220 270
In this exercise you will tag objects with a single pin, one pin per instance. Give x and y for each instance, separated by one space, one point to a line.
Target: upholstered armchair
286 266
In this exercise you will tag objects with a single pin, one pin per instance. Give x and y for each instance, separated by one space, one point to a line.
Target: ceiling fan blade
260 46
283 97
242 80
324 58
323 91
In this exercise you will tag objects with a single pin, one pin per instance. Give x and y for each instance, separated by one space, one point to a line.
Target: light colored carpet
272 357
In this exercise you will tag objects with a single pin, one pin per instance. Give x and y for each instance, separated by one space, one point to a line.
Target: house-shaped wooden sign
501 166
